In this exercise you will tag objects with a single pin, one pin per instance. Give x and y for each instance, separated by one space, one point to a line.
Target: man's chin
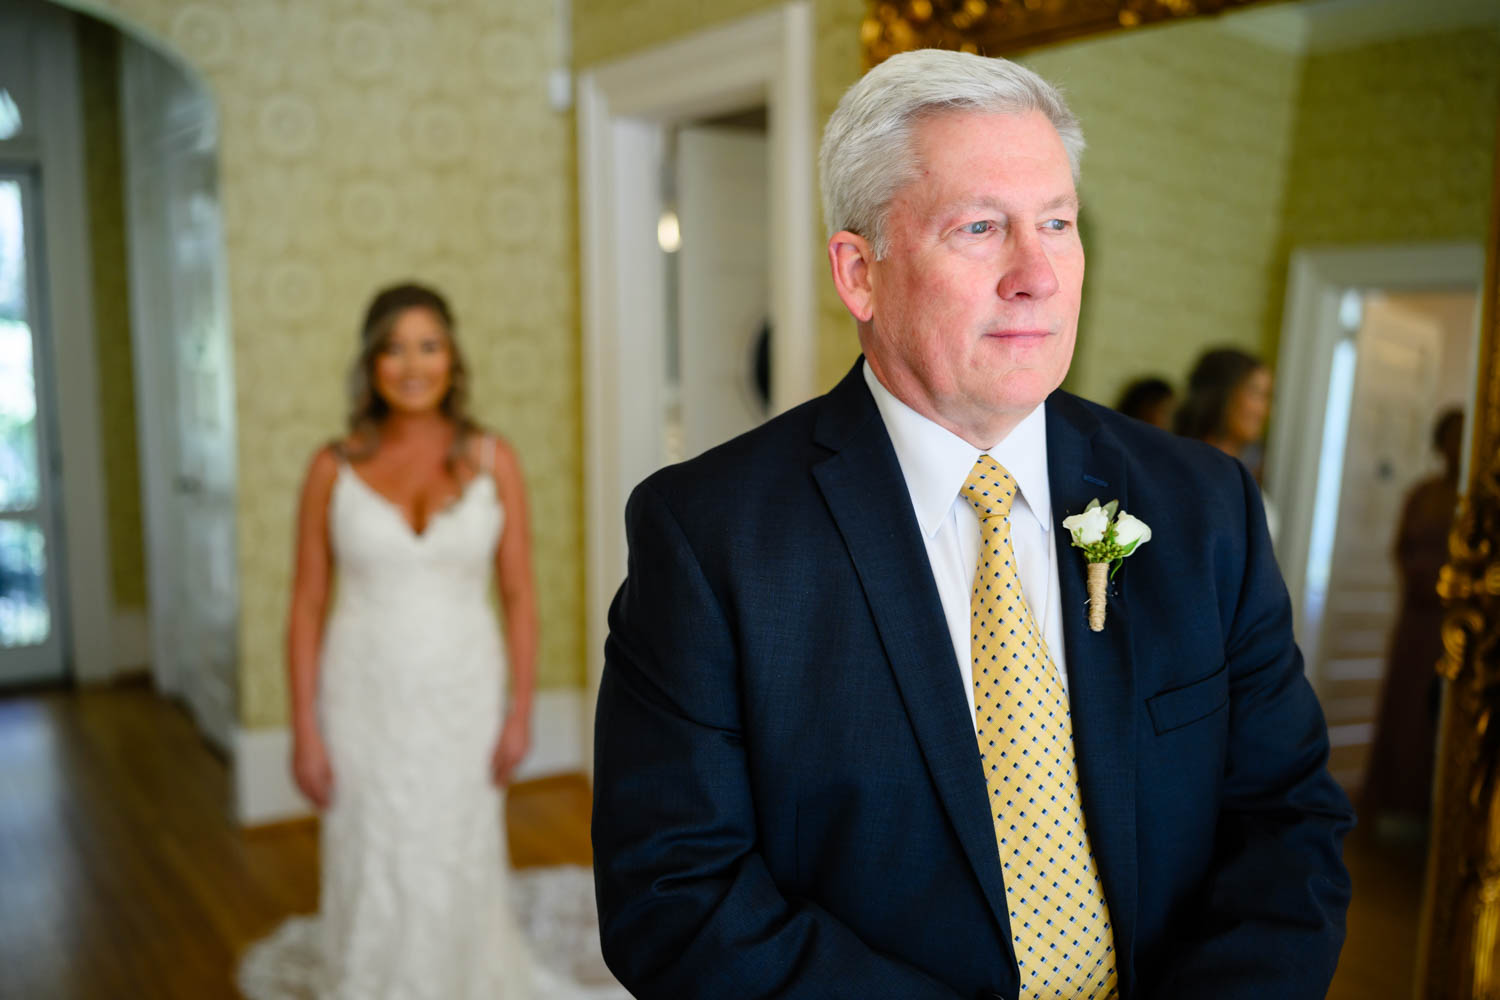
1021 390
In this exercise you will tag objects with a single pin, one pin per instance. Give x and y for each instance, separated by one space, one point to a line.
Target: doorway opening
717 280
113 266
669 153
1376 367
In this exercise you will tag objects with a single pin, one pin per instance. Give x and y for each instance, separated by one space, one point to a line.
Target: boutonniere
1106 538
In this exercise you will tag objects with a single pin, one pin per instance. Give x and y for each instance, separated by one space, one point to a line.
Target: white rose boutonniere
1089 527
1131 531
1106 538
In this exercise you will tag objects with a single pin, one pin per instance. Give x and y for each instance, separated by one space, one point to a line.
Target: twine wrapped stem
1098 580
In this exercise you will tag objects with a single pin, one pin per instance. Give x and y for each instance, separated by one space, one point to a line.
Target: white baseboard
264 792
130 640
263 788
556 740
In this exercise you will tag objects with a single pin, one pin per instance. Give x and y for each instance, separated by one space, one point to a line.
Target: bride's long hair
367 410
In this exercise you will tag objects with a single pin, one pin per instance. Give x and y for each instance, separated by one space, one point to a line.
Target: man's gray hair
866 155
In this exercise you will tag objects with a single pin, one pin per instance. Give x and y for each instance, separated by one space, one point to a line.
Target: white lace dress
418 898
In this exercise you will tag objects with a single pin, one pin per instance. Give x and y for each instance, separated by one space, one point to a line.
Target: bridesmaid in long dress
1397 793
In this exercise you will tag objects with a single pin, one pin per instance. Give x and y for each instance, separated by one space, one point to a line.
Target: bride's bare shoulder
323 466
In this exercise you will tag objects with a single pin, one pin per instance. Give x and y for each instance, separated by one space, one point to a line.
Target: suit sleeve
1271 921
687 906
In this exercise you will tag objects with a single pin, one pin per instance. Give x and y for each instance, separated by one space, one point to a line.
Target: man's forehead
940 117
965 133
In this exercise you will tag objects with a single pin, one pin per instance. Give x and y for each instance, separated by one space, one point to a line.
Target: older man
856 735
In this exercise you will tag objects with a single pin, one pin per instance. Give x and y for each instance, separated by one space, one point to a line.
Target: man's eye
1058 225
977 228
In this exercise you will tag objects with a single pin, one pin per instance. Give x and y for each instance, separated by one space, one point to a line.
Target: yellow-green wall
361 144
1395 142
98 62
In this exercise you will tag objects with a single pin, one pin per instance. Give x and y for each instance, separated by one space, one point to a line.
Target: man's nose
1029 273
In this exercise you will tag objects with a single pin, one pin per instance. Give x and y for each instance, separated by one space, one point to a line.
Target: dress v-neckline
399 512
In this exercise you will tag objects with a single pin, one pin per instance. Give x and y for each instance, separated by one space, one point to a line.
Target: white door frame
624 110
155 385
1311 331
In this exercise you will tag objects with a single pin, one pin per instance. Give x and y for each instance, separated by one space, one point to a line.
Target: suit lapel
1084 462
867 496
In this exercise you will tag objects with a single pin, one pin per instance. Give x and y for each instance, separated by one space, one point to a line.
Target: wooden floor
122 875
1380 953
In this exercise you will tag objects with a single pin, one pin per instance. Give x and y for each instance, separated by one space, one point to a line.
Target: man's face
974 310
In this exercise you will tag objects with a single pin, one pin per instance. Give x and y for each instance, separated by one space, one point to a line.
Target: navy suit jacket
789 799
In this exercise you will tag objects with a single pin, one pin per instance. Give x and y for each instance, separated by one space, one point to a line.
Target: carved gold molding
993 27
1460 933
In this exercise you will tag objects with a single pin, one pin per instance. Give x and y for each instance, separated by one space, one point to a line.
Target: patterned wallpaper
98 60
1396 142
364 141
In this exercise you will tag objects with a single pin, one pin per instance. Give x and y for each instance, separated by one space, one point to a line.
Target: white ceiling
1325 25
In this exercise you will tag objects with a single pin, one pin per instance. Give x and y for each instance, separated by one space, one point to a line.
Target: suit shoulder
754 460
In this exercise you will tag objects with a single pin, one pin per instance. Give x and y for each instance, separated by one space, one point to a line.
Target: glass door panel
30 647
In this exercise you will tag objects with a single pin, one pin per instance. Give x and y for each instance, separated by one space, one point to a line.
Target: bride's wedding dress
418 899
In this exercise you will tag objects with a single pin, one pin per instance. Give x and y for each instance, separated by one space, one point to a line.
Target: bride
403 737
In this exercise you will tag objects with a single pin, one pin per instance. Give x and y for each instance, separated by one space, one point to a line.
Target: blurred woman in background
1227 404
1398 785
1228 401
1151 399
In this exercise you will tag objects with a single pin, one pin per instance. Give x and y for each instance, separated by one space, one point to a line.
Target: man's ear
851 257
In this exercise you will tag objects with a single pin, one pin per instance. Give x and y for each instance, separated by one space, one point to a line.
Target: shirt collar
935 462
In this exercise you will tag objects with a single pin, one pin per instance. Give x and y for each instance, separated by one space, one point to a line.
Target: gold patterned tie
1059 920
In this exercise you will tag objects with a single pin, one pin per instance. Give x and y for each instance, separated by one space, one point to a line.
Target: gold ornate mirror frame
994 27
1460 921
1461 912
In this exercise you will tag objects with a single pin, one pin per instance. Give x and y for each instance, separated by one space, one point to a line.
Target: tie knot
989 488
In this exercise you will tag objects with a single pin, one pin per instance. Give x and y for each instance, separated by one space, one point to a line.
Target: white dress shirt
935 463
